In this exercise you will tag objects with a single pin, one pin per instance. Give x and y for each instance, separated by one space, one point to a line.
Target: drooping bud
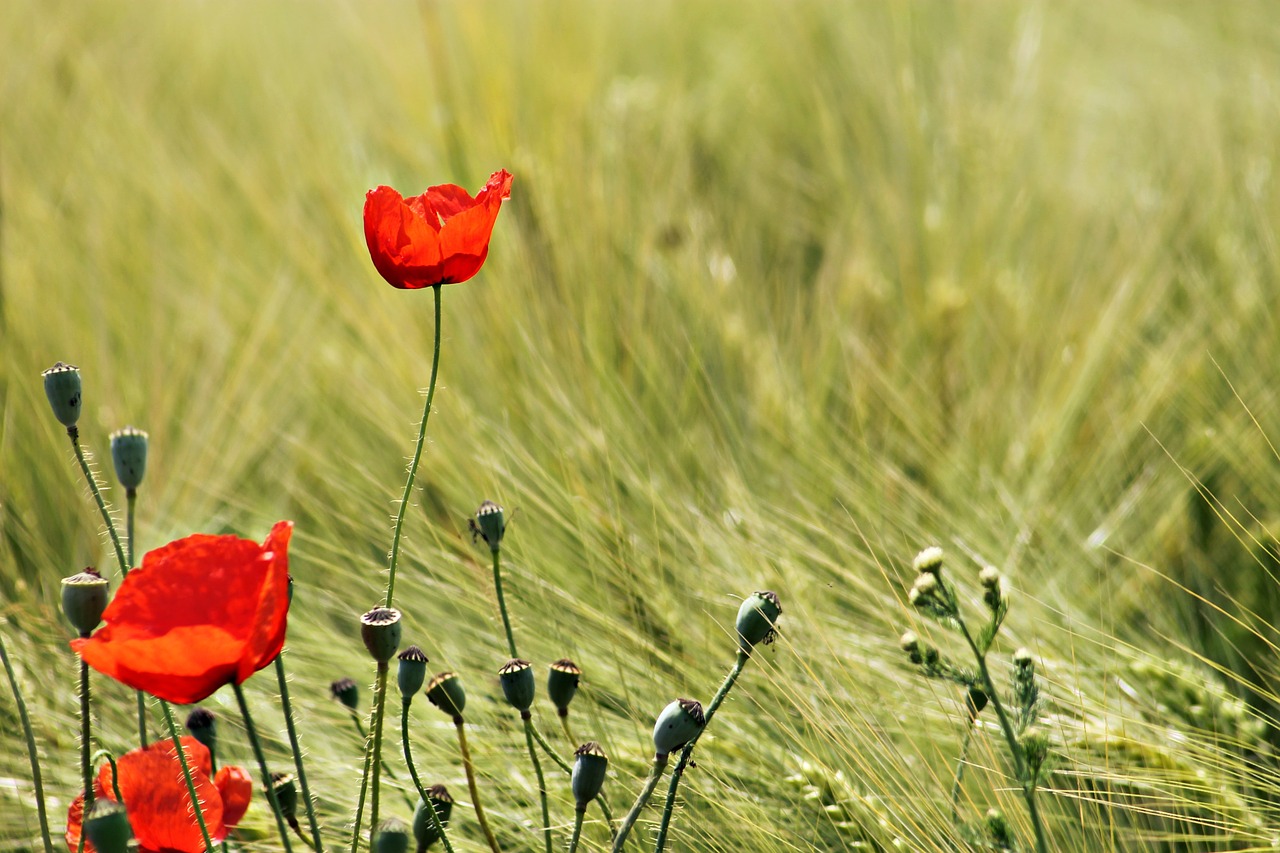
424 828
286 791
489 524
346 692
929 561
679 723
62 387
106 826
562 684
84 597
203 726
446 693
588 773
516 677
391 836
380 630
412 672
129 455
975 700
757 619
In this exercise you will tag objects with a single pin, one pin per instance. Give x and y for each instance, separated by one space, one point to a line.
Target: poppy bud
286 792
391 836
106 826
974 701
562 684
489 524
380 630
679 723
346 692
424 828
62 387
129 455
928 561
84 597
757 618
446 693
203 726
412 672
516 677
588 773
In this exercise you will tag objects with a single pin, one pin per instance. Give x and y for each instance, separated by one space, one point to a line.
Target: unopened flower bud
347 692
62 387
391 836
1035 746
412 672
84 597
928 561
380 630
129 456
286 796
989 577
424 828
562 684
757 618
446 693
910 642
203 726
106 826
679 723
516 677
998 830
588 773
489 524
974 701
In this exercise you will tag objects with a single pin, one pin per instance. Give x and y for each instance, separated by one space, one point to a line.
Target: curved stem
417 783
546 747
471 784
297 753
417 456
655 773
262 766
577 828
186 774
542 784
564 726
86 772
74 434
115 772
502 603
379 705
32 755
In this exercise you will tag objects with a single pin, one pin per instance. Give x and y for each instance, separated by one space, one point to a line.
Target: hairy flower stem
74 434
417 456
379 706
186 774
86 771
578 814
537 771
297 752
687 752
252 732
1015 748
568 732
413 774
460 725
502 603
655 773
131 496
960 765
32 755
364 790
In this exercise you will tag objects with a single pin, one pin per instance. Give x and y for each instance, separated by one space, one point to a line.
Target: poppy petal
235 785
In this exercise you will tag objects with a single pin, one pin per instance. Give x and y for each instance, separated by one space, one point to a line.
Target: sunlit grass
784 292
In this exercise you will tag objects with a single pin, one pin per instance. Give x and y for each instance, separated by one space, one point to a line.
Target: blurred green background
784 293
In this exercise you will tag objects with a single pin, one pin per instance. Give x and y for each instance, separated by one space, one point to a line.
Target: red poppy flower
198 613
236 787
156 798
439 237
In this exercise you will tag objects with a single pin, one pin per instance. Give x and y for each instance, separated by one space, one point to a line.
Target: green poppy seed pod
424 829
129 455
412 672
391 836
84 597
928 561
517 683
203 726
588 773
757 619
679 723
974 701
62 387
562 684
346 692
106 826
446 693
380 630
286 791
490 524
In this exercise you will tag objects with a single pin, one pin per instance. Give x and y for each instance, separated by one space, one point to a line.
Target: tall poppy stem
297 752
364 790
86 771
460 725
32 755
655 773
186 774
74 434
502 602
417 456
417 783
380 701
564 765
262 766
131 496
537 771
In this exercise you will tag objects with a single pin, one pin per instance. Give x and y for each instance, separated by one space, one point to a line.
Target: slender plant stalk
460 725
537 771
578 813
252 732
74 434
86 736
564 765
417 456
186 774
364 790
568 732
502 603
379 705
687 752
655 773
960 765
131 501
285 705
32 755
417 783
